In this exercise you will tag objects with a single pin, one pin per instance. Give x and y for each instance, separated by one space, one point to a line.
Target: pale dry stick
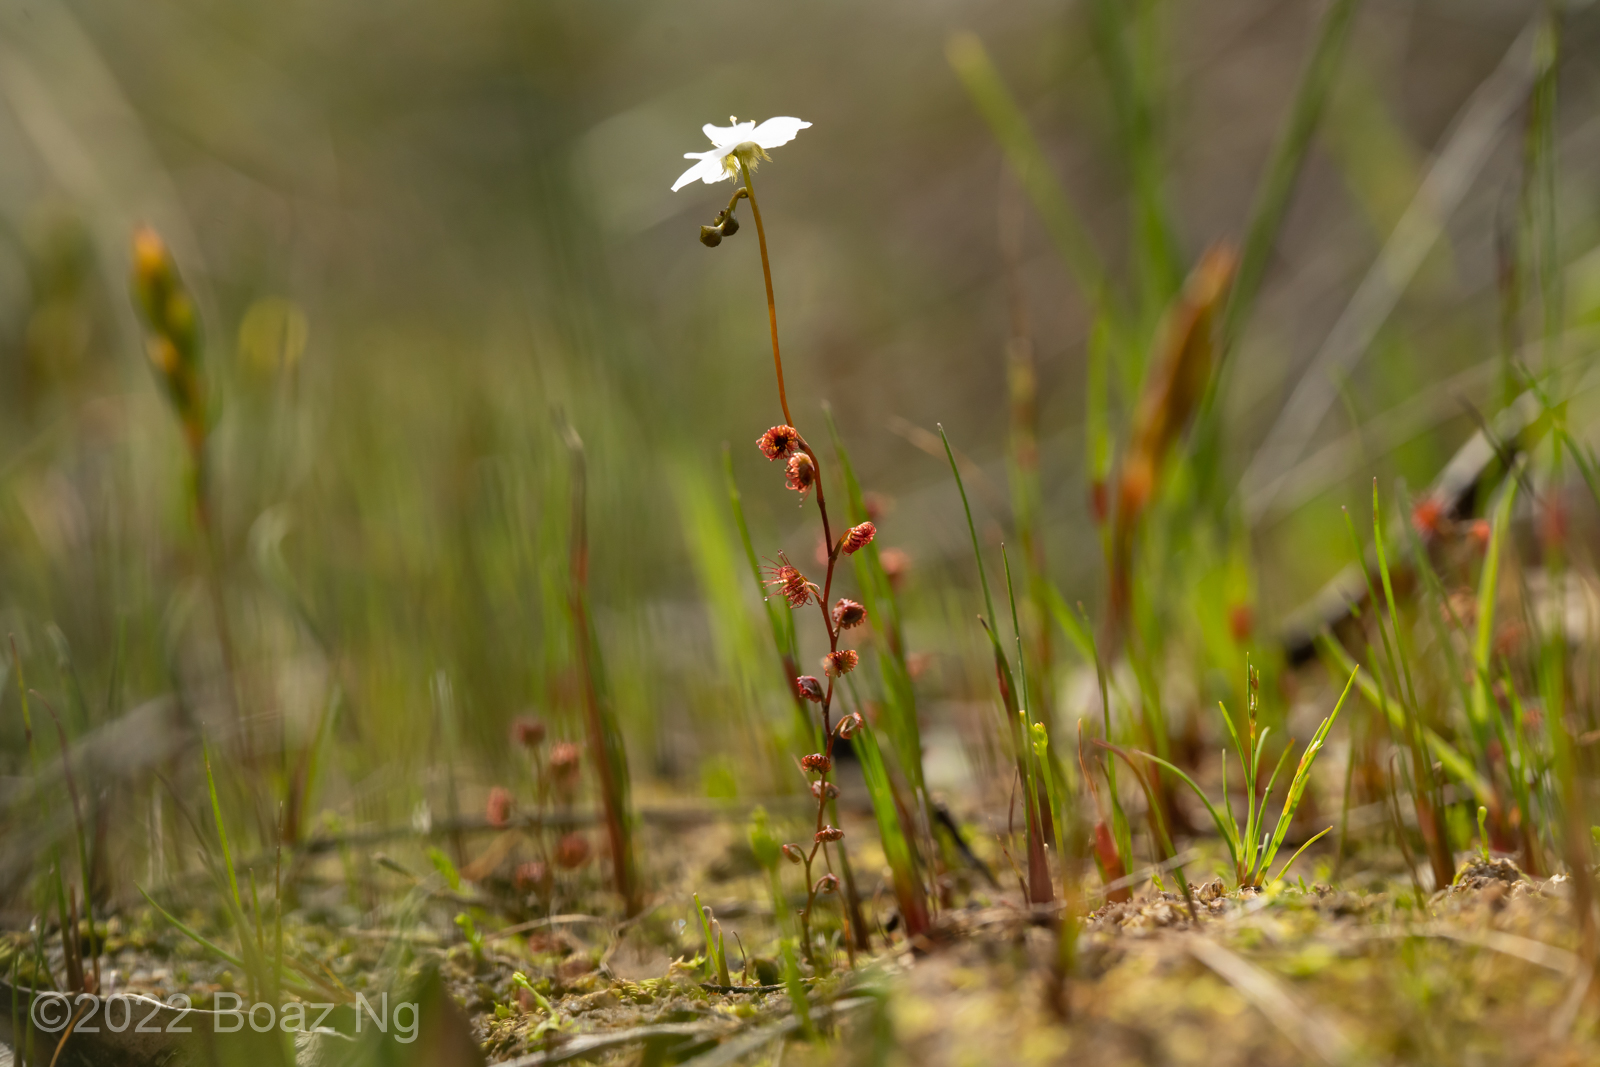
1467 148
1567 1014
1383 433
1312 1034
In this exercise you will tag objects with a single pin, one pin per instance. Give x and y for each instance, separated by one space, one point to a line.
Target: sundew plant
1185 436
739 149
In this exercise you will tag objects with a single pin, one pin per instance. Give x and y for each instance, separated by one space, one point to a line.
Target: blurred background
419 231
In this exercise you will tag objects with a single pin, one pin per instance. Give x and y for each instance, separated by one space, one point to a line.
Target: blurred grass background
417 231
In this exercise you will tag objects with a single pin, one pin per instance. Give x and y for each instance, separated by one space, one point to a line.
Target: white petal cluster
745 141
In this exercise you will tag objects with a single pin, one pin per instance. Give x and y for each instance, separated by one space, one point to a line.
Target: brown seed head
830 833
498 808
828 883
824 789
841 662
809 688
817 763
847 613
849 724
859 537
572 851
794 854
779 442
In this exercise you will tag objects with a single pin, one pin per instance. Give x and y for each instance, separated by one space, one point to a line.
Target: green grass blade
222 828
1302 775
1131 73
1290 863
192 934
705 930
972 530
1226 829
1283 169
1488 586
1454 763
895 838
999 109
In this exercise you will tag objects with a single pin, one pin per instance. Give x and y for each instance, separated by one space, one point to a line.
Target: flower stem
772 304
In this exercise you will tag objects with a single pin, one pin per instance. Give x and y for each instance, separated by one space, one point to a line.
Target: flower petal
708 170
777 131
728 136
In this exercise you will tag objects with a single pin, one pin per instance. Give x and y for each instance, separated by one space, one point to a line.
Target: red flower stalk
801 473
848 613
779 442
789 581
841 662
859 537
808 686
498 809
816 763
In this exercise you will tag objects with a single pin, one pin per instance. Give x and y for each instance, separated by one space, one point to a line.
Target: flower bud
801 473
1428 516
816 763
794 853
824 789
172 333
895 565
849 724
830 833
572 851
730 226
498 808
828 883
564 756
809 688
847 614
859 537
710 236
528 732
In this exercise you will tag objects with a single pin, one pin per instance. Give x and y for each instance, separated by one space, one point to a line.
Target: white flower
743 141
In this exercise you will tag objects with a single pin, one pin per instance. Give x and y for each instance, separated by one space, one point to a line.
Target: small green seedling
1483 832
469 930
1253 851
